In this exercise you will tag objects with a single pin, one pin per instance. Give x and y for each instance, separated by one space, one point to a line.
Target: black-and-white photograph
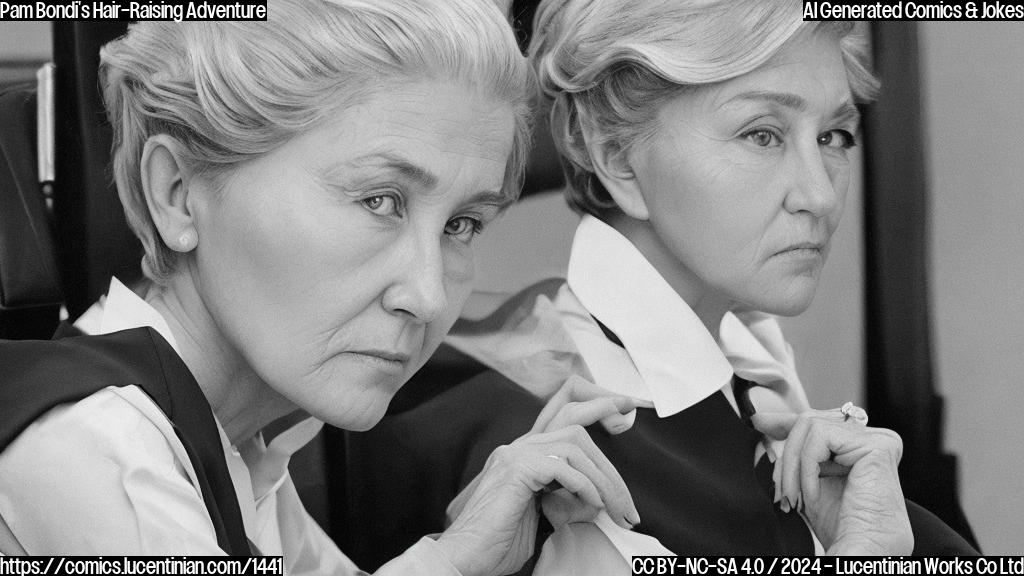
531 287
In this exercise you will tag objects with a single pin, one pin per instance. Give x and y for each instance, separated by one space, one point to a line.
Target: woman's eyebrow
391 161
419 175
846 112
794 102
498 199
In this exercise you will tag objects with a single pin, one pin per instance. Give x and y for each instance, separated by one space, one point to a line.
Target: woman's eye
763 138
463 228
382 205
837 139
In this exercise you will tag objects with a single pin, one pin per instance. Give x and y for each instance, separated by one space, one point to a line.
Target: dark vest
691 475
37 375
693 480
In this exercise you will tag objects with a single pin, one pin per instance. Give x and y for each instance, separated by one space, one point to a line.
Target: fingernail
617 425
618 429
633 518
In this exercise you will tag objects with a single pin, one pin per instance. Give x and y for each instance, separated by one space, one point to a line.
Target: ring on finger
851 411
554 484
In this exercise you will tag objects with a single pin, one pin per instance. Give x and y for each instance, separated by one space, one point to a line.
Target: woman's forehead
806 72
421 137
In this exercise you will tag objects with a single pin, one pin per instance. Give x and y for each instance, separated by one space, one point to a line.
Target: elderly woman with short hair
307 190
707 146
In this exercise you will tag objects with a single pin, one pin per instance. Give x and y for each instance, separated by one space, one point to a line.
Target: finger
789 472
611 411
586 457
775 425
820 435
797 462
863 441
614 495
620 422
832 469
565 470
624 418
561 507
578 389
551 408
790 461
833 447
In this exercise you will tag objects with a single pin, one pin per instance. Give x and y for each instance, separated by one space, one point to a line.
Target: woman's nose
811 187
418 290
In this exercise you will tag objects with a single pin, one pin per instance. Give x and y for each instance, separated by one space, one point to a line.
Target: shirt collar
123 310
678 360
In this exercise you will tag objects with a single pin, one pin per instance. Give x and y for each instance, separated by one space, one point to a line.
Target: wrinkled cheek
457 293
841 180
459 279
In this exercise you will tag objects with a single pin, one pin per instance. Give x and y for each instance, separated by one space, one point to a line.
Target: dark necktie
741 390
791 535
763 469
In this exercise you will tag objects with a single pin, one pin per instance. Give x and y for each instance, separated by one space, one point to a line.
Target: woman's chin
357 418
793 303
789 311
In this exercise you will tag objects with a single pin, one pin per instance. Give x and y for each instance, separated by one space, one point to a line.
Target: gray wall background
974 116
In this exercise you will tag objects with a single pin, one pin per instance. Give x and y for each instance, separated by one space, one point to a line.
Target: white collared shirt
114 455
667 356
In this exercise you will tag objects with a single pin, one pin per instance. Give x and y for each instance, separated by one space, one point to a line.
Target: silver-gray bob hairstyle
231 91
609 64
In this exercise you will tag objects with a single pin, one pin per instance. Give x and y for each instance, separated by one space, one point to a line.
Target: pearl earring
187 241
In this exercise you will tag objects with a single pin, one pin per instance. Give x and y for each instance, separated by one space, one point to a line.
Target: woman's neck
241 401
709 305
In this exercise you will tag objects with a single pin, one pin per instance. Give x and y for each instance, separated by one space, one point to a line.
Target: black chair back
30 289
94 241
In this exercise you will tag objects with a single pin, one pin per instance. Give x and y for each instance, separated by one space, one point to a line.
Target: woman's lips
386 360
802 251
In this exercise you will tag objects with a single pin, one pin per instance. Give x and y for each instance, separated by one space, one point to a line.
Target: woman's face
744 181
335 264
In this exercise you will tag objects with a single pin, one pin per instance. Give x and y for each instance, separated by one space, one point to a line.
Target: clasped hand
496 515
843 476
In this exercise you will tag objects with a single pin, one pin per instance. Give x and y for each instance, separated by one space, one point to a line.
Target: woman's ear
615 171
165 184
